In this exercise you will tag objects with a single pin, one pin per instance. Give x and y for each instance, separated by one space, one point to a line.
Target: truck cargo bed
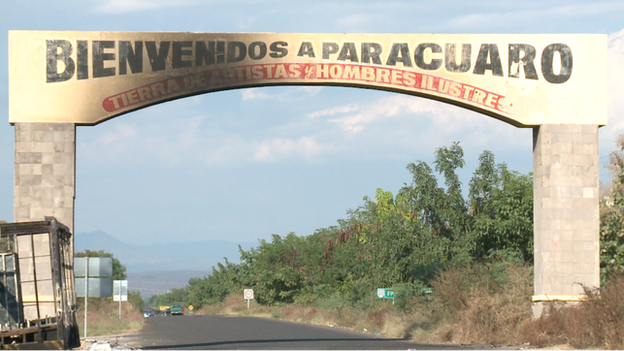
37 294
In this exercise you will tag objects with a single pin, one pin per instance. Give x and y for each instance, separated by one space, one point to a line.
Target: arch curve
122 111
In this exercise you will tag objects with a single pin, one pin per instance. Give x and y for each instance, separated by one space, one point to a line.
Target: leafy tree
612 218
135 298
423 195
175 296
501 209
453 207
119 270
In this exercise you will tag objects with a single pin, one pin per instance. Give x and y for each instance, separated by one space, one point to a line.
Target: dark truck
37 294
177 310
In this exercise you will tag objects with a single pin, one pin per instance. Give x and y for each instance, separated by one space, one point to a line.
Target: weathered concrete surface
45 172
566 211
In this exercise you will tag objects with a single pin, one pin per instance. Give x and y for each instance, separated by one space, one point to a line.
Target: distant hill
195 256
156 283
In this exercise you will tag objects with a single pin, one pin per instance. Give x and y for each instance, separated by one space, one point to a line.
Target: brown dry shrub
311 314
349 319
484 303
595 323
235 303
291 312
208 310
395 324
547 330
377 318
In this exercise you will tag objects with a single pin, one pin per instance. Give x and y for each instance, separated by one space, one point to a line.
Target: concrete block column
45 172
566 212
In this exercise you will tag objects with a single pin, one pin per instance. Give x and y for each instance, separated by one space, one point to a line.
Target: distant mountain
156 283
194 256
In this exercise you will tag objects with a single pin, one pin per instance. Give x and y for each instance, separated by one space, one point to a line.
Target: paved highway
219 332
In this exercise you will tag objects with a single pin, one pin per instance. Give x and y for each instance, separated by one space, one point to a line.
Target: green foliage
119 270
135 298
405 293
400 241
501 209
612 219
175 296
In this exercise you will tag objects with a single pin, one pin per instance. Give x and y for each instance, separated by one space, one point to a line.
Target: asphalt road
219 332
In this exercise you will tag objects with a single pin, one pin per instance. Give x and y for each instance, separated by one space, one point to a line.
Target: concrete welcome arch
554 84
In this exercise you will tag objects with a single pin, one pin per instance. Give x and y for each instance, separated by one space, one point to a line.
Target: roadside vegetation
104 317
103 312
461 268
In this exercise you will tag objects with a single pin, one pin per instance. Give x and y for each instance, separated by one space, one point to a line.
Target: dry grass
470 305
383 319
482 304
596 323
234 305
103 317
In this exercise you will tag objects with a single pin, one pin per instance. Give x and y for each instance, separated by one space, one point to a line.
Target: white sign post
248 295
120 292
86 293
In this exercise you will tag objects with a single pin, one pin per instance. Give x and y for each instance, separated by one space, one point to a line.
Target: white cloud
535 14
309 90
122 131
122 6
615 91
282 148
292 94
255 94
352 124
245 22
616 79
191 141
354 22
445 116
234 150
334 110
390 126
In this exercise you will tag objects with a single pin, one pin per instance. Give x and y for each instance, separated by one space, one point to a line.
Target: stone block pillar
566 212
45 172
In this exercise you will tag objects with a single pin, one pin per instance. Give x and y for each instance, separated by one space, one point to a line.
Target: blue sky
243 164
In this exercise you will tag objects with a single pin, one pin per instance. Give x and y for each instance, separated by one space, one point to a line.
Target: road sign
120 290
249 295
97 287
385 293
98 266
190 307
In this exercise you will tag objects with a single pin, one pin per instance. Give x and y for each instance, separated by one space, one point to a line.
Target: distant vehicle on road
164 311
177 310
148 313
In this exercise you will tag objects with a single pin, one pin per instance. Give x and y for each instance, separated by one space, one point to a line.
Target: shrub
482 303
595 323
